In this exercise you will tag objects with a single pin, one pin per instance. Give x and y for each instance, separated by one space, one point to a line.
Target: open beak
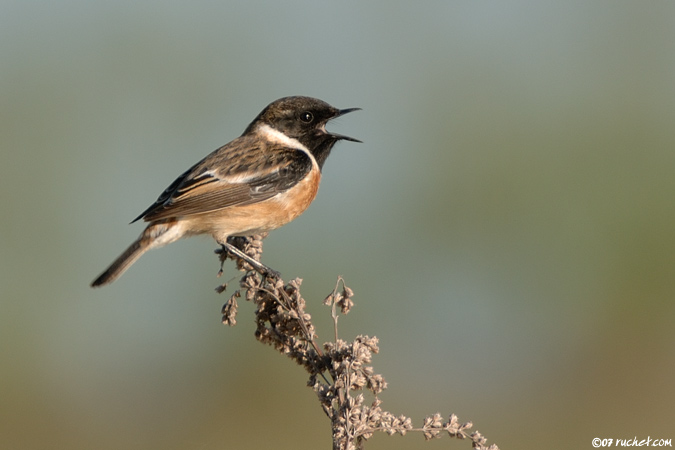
342 137
342 112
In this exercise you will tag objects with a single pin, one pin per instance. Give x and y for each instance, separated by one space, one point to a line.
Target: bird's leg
257 265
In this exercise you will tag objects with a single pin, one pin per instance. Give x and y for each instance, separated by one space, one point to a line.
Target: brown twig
339 372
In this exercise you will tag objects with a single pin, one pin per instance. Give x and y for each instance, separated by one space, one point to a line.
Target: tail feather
122 263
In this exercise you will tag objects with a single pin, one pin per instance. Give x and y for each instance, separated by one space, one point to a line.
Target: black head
304 119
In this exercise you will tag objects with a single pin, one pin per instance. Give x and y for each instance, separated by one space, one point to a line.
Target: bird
256 183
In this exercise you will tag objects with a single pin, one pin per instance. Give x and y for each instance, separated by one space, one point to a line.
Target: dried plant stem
339 371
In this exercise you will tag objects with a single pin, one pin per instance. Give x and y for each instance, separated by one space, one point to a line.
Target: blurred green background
508 224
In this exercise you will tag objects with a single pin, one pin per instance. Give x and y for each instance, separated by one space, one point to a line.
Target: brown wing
228 177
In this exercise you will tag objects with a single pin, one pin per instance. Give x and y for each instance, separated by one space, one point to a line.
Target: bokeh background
508 224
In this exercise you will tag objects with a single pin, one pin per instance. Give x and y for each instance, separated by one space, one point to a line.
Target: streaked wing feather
212 197
166 195
202 190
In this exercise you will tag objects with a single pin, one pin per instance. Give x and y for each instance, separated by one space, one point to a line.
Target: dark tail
121 264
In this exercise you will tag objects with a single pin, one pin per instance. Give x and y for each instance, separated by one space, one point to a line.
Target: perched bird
260 181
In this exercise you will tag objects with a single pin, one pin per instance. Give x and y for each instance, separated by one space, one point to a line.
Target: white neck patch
278 137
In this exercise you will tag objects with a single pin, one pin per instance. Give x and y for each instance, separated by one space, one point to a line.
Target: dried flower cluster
339 372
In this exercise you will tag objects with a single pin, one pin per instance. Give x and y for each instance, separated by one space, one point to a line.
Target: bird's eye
307 117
